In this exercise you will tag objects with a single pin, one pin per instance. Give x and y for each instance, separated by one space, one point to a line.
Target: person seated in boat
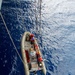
40 61
31 35
37 53
32 53
32 38
39 58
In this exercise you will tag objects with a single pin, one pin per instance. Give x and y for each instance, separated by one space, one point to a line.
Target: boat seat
34 67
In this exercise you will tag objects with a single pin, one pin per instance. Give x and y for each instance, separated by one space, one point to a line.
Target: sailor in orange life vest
39 58
32 38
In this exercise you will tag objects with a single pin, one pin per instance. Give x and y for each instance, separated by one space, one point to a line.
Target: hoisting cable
11 37
36 16
40 15
38 19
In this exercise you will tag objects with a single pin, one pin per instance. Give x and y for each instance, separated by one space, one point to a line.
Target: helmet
31 49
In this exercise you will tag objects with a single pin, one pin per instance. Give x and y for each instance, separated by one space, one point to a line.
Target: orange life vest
40 59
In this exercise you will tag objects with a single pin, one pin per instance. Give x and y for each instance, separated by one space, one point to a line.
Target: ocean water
57 38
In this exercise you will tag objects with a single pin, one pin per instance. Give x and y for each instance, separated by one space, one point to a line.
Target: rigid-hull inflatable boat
31 54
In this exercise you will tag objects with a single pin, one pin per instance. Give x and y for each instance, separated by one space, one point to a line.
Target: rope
11 38
36 17
40 15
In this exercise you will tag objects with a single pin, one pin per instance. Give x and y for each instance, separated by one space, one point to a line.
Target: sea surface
56 34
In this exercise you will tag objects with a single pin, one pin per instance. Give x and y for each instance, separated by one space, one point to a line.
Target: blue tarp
0 4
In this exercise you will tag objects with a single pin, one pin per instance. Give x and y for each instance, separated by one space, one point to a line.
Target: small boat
31 54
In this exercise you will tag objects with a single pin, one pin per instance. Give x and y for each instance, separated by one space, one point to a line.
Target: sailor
32 52
37 53
39 58
40 61
31 35
32 38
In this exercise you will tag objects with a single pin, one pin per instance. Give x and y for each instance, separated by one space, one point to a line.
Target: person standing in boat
32 38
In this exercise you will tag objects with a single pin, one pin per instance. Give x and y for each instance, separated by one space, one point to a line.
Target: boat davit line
31 54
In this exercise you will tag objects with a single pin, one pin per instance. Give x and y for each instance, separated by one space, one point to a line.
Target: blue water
57 38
